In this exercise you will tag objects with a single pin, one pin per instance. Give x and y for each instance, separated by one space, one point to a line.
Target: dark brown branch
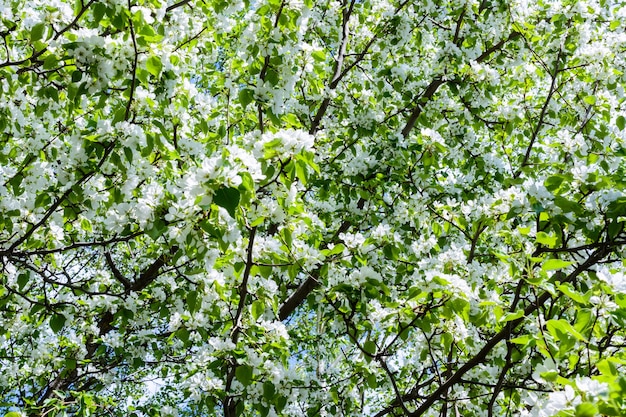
243 287
436 83
307 287
134 68
152 272
499 385
60 200
457 30
399 399
542 115
116 272
422 100
77 245
514 35
177 5
337 73
504 334
105 323
37 54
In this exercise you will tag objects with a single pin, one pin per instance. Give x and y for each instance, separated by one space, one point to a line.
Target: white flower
603 303
175 321
352 240
592 387
562 400
167 411
616 280
548 366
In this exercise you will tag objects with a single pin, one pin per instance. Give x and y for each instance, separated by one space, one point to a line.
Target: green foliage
312 208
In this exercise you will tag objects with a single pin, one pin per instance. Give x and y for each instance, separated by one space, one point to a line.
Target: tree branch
177 5
337 73
504 334
152 272
312 282
542 115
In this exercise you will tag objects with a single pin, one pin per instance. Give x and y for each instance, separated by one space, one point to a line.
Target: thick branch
230 402
504 334
76 245
337 73
514 35
105 323
243 287
152 272
37 54
312 281
423 99
116 272
436 83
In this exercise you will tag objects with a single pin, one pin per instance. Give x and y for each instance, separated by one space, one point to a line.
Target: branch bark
503 334
105 325
312 282
337 73
542 115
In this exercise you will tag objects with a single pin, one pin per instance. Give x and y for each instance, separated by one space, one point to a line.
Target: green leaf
568 206
370 347
319 56
50 62
568 290
336 250
591 100
522 340
85 224
269 391
301 172
561 328
77 76
57 321
22 280
553 264
512 316
36 33
183 334
586 410
621 122
192 301
157 229
257 309
13 414
119 115
52 93
99 9
617 208
244 374
371 381
288 237
246 96
272 77
544 239
227 198
553 182
607 368
154 65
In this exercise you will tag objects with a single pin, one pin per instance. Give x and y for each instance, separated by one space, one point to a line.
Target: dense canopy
312 208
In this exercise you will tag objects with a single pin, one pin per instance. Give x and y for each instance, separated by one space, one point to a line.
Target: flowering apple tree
312 208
